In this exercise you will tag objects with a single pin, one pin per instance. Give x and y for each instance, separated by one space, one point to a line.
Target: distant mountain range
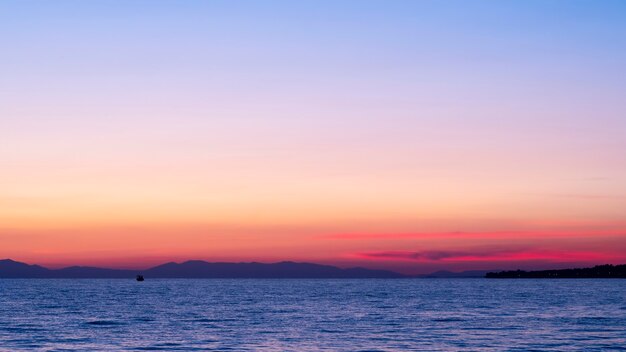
197 269
597 272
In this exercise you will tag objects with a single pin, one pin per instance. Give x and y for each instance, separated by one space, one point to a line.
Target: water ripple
312 315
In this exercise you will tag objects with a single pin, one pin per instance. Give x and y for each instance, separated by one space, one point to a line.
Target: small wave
104 322
384 306
211 320
596 318
144 319
19 329
162 347
593 321
178 347
452 319
206 320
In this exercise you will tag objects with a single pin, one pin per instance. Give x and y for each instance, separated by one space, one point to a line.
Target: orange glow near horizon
133 220
144 246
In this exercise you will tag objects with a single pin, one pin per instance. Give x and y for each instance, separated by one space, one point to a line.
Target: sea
313 315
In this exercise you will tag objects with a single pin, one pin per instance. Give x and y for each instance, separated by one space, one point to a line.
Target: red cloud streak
491 256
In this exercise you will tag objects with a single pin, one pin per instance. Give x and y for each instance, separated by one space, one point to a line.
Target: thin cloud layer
486 255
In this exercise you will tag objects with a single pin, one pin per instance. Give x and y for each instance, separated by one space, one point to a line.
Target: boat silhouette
139 278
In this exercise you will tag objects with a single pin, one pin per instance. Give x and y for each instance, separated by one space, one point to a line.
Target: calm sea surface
313 315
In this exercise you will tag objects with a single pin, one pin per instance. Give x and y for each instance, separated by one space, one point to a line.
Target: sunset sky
409 135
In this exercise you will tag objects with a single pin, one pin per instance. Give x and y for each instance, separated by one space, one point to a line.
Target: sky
408 135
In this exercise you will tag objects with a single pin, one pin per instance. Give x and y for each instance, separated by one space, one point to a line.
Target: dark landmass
201 269
198 269
597 272
13 269
443 274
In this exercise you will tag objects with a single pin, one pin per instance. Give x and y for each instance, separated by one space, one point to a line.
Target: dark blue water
313 315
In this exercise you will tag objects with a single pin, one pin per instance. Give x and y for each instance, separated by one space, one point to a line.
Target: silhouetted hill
201 269
12 269
597 272
196 269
